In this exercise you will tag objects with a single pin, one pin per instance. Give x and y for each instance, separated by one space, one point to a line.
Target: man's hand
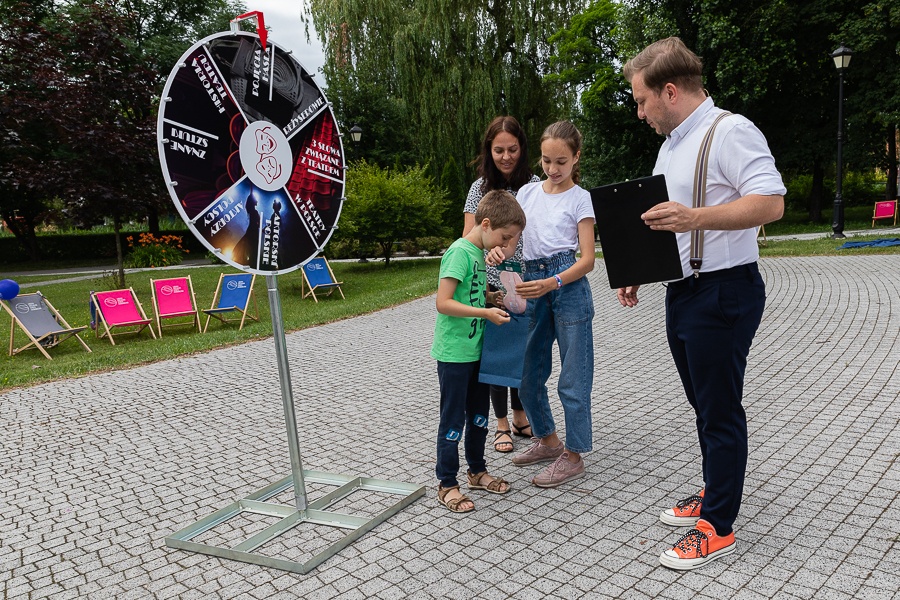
628 296
671 216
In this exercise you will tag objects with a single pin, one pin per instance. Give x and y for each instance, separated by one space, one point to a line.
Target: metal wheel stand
303 512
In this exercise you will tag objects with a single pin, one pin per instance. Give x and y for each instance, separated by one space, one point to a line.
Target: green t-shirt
458 339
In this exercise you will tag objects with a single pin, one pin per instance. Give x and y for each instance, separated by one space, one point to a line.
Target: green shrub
152 251
433 244
411 247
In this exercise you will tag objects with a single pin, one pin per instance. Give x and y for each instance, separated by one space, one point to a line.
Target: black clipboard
634 254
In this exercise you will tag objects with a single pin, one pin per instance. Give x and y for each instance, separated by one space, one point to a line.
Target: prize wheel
251 153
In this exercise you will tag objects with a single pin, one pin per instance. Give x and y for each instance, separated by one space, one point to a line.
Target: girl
502 165
560 222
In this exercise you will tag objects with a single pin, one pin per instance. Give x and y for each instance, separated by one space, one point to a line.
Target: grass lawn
367 286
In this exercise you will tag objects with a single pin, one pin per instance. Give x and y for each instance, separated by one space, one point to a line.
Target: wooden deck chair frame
885 209
194 313
330 286
46 340
219 312
140 324
761 233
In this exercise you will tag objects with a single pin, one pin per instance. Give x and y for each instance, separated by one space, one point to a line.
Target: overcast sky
282 18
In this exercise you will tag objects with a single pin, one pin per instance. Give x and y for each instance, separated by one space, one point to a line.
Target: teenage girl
502 165
560 223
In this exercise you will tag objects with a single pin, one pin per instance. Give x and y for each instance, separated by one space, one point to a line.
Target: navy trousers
710 324
465 402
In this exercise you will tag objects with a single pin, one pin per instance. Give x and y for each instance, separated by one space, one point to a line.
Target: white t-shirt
552 219
740 164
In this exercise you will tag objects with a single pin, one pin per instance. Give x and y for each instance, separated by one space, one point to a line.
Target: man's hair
501 208
667 61
494 179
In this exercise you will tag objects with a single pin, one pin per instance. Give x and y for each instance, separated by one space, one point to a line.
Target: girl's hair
567 132
665 61
494 179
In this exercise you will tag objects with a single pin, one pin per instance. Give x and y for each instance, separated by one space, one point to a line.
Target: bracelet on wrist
558 279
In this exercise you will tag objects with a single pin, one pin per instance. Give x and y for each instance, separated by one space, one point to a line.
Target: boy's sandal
501 445
520 431
453 503
497 486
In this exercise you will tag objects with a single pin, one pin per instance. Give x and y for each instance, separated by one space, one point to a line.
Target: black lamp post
356 133
841 58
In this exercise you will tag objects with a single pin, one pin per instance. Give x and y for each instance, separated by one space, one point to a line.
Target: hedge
84 246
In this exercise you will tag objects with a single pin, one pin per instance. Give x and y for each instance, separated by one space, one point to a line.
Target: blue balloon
9 289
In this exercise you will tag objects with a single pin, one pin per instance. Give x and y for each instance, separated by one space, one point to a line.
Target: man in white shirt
713 313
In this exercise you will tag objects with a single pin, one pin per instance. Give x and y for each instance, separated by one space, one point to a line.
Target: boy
458 333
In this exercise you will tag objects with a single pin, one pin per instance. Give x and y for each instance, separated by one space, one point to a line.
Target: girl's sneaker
538 453
559 472
698 547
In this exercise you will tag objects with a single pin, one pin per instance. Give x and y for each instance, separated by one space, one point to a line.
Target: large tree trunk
890 190
817 192
153 220
23 227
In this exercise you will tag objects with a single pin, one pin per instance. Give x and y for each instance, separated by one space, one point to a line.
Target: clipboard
634 254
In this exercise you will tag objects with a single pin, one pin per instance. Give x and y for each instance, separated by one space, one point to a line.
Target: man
713 313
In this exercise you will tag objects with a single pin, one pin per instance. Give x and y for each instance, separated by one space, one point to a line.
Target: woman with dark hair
502 165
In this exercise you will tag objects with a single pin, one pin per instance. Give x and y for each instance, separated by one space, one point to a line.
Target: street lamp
356 133
841 58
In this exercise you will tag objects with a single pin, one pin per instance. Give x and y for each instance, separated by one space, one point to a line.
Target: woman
502 165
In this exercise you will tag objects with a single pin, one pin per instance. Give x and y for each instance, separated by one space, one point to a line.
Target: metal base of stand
291 517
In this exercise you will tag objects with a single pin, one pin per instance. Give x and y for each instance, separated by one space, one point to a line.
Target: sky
282 18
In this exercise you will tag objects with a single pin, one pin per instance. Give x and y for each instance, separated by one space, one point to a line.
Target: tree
454 65
79 89
385 206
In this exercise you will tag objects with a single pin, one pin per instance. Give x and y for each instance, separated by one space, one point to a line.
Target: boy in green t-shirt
458 334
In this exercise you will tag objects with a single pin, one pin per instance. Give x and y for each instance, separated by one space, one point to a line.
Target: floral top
472 201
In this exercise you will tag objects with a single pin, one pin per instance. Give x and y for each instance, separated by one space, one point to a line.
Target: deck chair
173 298
119 309
317 275
886 209
233 294
761 233
42 323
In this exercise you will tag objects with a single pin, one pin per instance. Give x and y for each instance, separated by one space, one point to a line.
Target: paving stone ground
97 471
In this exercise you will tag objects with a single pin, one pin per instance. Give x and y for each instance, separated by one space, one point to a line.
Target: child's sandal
453 504
497 486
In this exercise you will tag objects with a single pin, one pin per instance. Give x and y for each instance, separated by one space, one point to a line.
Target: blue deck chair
42 323
233 294
317 275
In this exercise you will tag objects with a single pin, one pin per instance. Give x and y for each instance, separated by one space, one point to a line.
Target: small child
458 333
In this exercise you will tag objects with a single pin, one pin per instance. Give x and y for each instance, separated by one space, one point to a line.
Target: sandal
520 431
499 442
453 504
497 485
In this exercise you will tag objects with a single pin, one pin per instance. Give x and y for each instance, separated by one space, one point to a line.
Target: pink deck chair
119 309
174 298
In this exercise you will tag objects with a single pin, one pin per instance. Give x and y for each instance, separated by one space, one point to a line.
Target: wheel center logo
265 156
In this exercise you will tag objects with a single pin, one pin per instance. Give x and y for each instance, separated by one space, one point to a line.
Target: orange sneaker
697 547
685 512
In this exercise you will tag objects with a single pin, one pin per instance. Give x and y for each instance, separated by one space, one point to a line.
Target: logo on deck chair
112 302
168 290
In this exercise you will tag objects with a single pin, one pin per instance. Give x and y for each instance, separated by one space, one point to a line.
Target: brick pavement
97 471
